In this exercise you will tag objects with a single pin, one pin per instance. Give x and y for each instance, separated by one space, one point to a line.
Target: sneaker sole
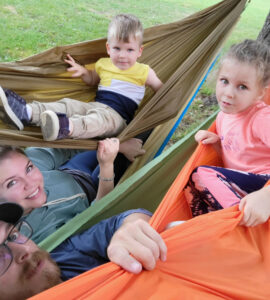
7 114
49 125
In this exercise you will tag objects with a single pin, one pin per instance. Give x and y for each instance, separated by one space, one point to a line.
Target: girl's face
21 182
237 86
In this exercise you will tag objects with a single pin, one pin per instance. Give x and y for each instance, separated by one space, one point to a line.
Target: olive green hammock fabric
179 52
146 188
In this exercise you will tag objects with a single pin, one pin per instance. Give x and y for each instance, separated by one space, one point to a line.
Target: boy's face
237 86
124 55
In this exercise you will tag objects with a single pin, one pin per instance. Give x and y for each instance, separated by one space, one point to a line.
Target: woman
51 193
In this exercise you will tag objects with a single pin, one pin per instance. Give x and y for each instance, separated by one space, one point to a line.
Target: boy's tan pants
91 119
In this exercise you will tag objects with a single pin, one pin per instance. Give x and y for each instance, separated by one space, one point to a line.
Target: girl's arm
90 77
153 81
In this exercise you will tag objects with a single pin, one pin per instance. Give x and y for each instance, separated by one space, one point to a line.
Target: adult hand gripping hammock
179 52
209 257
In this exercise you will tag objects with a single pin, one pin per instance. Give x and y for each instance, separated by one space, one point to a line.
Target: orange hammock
209 257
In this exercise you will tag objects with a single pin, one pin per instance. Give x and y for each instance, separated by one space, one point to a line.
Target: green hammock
145 188
179 52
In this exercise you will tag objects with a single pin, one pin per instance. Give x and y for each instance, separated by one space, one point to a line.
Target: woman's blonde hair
7 150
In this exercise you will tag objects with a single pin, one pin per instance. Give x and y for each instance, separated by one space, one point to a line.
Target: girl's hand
206 137
256 207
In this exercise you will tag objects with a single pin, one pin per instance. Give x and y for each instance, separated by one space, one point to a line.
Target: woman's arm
106 153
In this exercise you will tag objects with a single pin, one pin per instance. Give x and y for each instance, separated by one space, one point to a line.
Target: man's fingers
137 245
131 255
121 257
158 241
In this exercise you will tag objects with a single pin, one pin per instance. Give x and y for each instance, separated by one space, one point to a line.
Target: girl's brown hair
256 54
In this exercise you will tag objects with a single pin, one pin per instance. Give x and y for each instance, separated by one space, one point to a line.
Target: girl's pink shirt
245 139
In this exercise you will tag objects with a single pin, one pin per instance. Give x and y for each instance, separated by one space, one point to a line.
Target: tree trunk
264 35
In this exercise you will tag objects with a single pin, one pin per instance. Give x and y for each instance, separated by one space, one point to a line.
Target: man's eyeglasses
19 234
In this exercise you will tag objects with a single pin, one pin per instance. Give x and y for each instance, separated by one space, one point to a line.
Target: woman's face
21 182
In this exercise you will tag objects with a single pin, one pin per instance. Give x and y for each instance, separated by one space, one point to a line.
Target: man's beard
51 276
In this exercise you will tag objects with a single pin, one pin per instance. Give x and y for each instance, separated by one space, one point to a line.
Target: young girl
242 139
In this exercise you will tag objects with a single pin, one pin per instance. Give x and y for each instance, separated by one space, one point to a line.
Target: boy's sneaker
54 126
13 109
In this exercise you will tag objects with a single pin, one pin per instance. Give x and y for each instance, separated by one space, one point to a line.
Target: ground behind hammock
28 27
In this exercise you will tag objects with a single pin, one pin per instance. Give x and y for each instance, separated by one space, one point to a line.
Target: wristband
106 179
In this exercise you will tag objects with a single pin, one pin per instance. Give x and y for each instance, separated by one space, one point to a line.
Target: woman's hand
107 150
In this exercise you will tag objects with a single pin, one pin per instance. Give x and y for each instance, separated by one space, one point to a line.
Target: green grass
28 27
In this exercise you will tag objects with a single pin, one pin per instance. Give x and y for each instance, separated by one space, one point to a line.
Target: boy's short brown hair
124 26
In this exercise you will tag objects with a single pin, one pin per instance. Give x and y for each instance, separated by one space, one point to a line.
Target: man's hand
136 245
206 137
132 148
256 207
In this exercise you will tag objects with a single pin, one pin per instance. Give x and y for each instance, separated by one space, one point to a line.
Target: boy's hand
78 70
256 207
132 148
206 137
107 150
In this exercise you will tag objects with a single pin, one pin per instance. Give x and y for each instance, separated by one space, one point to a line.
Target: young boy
121 85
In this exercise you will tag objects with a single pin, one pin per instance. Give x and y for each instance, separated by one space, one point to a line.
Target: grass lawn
28 26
